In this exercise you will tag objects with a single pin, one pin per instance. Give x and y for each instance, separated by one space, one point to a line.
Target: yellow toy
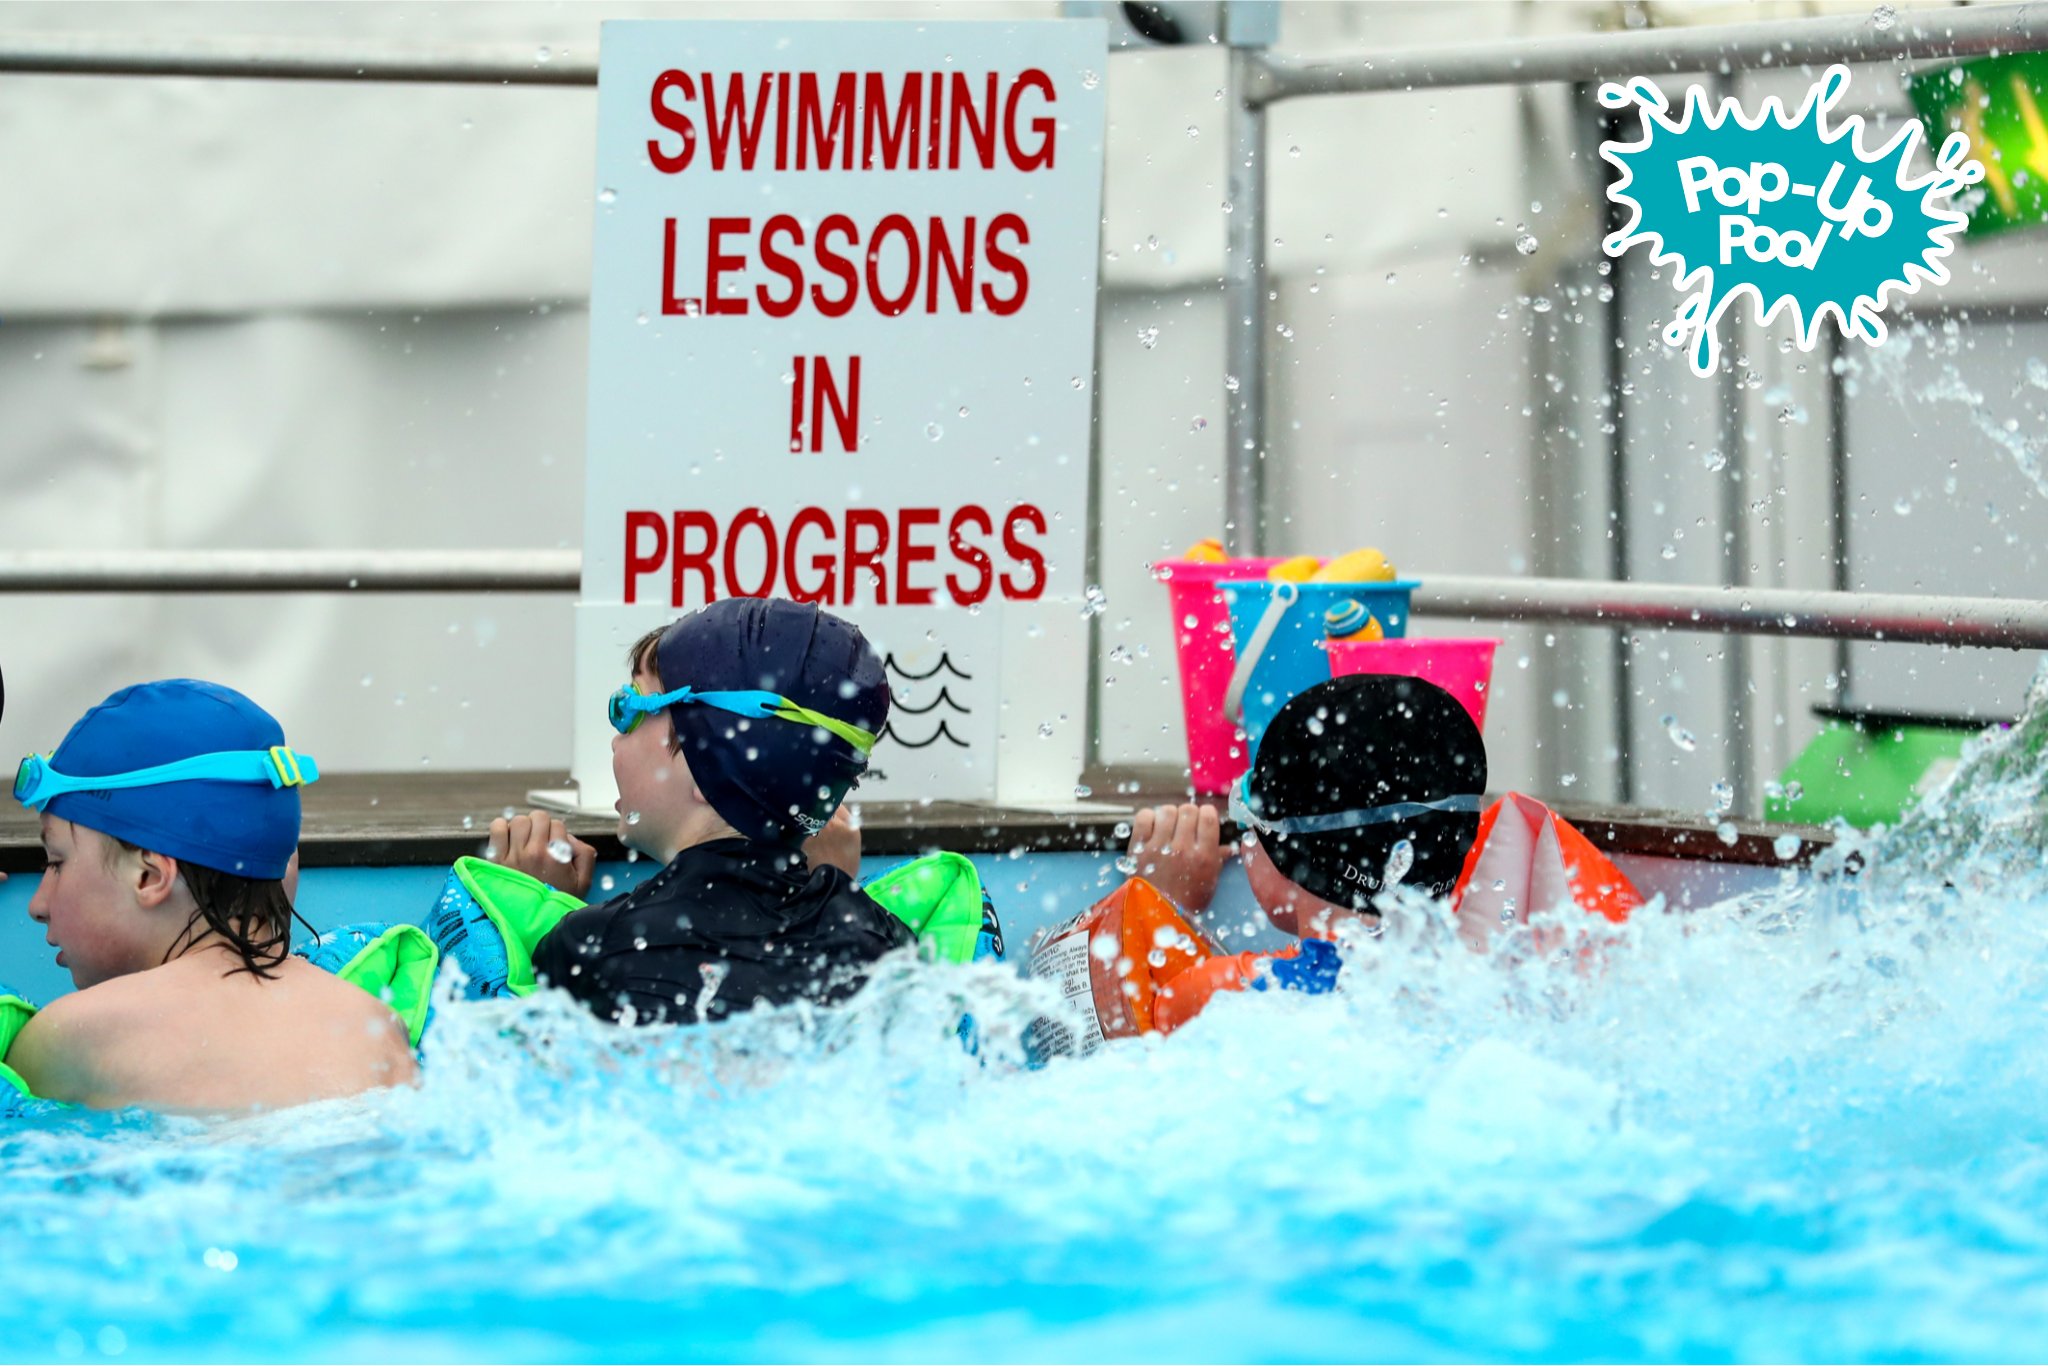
1207 551
1300 569
1359 566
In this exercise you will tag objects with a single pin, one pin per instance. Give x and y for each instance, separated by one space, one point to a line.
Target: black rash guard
726 926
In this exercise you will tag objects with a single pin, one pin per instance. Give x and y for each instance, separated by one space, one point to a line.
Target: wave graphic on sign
945 697
889 731
945 662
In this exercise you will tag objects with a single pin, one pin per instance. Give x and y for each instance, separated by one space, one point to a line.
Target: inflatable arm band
489 919
941 899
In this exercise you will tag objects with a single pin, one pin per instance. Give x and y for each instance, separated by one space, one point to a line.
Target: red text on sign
908 558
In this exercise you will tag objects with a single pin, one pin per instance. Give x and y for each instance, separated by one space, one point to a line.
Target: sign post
842 332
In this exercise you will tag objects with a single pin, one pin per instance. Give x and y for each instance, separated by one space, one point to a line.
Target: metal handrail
291 571
73 54
1990 623
1909 618
1641 52
1587 56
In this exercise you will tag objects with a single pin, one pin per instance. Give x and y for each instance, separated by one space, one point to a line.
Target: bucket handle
1285 593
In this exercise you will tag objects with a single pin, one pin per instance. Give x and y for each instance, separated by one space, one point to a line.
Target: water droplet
1390 277
561 851
1127 864
1399 860
1090 79
1045 730
1148 337
542 55
1726 833
933 431
1102 948
1193 131
1794 791
1883 17
607 196
1723 793
1786 847
1527 244
1904 507
1094 602
1230 383
1714 461
1680 736
1198 424
632 818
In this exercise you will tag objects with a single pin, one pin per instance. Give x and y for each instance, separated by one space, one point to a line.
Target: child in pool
168 894
1359 782
743 727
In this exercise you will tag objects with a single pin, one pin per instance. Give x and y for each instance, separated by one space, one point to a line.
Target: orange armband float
1529 859
1119 963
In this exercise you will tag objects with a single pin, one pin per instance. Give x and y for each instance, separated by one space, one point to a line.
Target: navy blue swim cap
771 779
246 829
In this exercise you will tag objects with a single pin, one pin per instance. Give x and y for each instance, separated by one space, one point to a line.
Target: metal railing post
1244 308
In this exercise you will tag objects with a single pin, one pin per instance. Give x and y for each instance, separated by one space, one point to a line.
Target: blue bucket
1291 659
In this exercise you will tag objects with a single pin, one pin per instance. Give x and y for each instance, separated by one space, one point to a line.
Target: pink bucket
1201 636
1462 667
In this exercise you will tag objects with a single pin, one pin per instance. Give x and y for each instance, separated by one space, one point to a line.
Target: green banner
2002 104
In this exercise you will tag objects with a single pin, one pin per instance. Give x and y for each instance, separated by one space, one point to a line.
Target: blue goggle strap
758 704
1323 824
280 766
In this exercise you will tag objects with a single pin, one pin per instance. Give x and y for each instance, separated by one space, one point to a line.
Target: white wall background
248 314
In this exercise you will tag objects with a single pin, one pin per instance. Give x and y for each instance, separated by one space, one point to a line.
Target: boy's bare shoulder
188 1035
72 1048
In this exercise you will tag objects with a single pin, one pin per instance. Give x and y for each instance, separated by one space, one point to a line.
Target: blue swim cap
771 779
246 829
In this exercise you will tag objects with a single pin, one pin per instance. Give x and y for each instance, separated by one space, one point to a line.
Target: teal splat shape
1840 228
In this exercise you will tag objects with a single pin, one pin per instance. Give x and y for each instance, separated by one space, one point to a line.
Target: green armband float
398 967
14 1013
941 899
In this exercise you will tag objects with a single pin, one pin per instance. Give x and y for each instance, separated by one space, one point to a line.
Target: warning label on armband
1062 958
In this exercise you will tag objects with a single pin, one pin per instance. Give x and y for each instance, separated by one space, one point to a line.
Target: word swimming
1768 182
789 121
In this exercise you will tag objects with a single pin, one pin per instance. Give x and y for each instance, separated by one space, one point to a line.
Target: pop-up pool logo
1791 210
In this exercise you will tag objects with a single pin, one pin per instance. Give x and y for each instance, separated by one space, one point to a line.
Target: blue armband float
489 919
394 963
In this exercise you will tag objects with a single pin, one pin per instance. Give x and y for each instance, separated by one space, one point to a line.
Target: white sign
841 344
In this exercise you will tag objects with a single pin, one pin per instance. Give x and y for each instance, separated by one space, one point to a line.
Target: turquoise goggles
36 784
1241 813
629 706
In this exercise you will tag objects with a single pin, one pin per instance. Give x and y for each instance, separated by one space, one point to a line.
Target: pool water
1805 1124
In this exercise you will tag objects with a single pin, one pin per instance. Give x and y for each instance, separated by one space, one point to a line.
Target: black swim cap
772 779
1359 742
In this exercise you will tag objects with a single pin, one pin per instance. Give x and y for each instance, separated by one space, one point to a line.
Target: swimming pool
1805 1124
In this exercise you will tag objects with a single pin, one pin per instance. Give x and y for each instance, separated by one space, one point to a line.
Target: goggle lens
625 718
